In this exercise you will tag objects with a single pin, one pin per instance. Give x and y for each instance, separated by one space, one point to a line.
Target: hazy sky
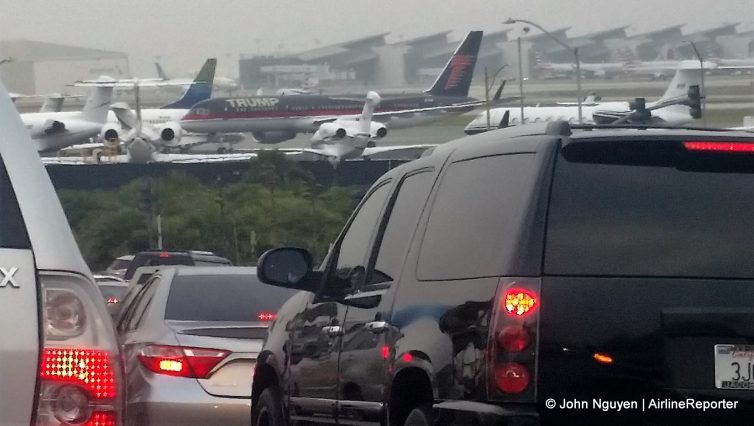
183 33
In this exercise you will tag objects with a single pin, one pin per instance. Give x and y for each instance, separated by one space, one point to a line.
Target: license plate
734 367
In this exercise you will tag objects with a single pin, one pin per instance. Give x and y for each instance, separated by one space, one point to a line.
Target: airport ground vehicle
190 339
523 267
59 360
165 257
113 290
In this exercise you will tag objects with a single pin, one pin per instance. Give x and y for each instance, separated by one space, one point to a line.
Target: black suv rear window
651 209
222 298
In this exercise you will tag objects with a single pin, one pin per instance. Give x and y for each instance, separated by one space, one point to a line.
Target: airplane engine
331 130
275 136
110 132
378 130
170 134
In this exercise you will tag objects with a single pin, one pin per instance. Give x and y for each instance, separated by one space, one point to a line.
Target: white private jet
51 131
687 74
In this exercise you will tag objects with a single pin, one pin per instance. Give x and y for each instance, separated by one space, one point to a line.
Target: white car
59 359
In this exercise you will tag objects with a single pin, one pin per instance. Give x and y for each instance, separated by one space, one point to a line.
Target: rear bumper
478 413
182 401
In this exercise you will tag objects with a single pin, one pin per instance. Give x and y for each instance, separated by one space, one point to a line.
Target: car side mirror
288 267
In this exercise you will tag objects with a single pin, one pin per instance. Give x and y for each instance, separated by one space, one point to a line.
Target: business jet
687 74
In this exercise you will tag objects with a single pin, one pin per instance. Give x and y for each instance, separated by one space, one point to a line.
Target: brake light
180 361
512 377
717 146
164 254
102 418
89 368
266 316
519 302
112 300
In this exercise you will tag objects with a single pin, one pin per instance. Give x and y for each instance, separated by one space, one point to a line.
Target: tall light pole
701 70
575 52
521 77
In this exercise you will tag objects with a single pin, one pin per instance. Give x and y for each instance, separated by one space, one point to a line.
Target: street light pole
520 80
575 52
704 92
578 81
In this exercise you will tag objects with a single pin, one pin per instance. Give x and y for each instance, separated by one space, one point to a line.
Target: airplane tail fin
687 74
98 103
160 72
365 121
199 90
53 103
455 78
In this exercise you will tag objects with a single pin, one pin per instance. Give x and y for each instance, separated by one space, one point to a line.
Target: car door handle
333 330
376 327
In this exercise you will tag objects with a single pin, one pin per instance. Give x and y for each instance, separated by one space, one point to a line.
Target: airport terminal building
35 67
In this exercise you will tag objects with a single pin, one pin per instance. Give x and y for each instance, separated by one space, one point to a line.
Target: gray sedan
190 339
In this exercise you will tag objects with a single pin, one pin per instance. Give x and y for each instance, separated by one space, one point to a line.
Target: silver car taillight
79 373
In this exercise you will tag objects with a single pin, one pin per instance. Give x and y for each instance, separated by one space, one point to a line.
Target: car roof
524 138
46 224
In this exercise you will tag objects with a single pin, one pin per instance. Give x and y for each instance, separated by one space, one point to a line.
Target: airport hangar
373 61
39 67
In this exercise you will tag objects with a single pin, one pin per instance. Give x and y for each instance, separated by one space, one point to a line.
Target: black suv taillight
513 341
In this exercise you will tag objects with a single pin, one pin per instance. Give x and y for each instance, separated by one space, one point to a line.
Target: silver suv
59 360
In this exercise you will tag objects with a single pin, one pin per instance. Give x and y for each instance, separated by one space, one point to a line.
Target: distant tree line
278 203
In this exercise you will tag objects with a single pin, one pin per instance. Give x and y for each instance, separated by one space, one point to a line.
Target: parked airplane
273 119
162 123
687 74
220 83
54 130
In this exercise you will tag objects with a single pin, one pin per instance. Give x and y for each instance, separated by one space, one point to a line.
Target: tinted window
476 216
139 306
650 209
404 214
356 242
12 227
155 259
222 298
119 264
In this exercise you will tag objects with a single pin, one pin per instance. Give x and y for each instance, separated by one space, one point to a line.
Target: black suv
171 257
540 274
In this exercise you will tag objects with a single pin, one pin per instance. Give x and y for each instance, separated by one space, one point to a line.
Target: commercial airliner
273 119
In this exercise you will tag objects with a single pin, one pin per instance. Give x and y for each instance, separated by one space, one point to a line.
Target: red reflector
602 358
385 351
164 254
88 368
719 146
266 316
179 361
407 357
519 302
514 338
511 377
102 418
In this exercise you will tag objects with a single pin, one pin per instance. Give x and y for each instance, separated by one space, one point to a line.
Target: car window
350 265
119 264
478 208
135 311
223 298
116 291
408 204
650 209
12 227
